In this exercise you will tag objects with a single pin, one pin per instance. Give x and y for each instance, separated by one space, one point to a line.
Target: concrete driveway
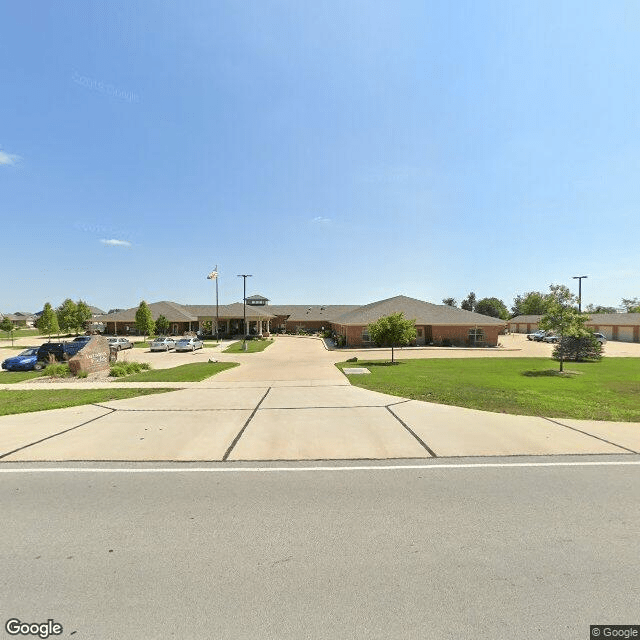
291 403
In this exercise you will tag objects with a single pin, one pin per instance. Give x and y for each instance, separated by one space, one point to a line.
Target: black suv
60 351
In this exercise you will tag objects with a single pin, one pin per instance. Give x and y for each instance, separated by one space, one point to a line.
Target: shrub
57 370
354 359
82 374
127 368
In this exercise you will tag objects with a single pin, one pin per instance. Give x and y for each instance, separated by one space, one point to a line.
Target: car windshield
28 352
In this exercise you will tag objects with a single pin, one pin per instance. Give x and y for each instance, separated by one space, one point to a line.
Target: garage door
608 332
625 334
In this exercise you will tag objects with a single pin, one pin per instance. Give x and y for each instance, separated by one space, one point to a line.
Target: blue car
25 361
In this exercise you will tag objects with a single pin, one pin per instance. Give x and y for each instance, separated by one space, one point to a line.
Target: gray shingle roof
311 312
423 312
526 319
170 310
234 310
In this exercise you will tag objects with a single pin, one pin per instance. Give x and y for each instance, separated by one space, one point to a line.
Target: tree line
532 303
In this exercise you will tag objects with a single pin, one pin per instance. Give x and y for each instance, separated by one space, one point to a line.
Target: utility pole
214 276
244 276
579 279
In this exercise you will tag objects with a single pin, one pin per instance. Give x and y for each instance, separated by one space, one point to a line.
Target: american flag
213 275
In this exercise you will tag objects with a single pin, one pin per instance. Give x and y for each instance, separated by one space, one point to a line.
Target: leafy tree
144 321
392 331
66 313
632 305
162 325
469 303
562 317
450 302
207 327
579 347
7 325
492 307
48 321
599 309
83 315
532 303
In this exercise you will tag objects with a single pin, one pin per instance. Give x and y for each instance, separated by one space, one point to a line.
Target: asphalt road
442 550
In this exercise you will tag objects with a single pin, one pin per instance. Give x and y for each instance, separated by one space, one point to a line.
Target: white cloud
322 220
116 243
7 158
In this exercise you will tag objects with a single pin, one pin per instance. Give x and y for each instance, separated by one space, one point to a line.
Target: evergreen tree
144 321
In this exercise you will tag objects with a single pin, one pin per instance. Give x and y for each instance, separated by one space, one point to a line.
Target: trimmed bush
127 368
57 370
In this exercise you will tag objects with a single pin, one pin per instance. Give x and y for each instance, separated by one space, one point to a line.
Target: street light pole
214 276
244 276
579 279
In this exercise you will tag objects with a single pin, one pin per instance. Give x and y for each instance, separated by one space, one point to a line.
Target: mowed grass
605 390
253 346
20 401
193 372
11 377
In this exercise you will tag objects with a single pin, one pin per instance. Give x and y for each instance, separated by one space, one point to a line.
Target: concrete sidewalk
289 402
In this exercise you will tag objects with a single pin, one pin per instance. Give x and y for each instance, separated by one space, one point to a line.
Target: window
476 336
365 337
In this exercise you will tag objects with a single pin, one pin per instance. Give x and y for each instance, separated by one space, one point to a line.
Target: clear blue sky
339 151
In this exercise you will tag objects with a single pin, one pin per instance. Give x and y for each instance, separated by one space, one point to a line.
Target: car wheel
39 366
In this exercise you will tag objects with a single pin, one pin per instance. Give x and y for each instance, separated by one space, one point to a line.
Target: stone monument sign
94 356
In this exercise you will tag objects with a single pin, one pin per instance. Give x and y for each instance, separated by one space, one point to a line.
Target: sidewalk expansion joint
586 433
246 424
55 435
412 432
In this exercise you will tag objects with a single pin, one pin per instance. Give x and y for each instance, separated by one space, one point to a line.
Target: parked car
163 344
189 344
57 351
120 343
84 339
551 338
24 361
537 336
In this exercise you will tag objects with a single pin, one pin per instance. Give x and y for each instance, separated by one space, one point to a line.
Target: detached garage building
624 327
436 324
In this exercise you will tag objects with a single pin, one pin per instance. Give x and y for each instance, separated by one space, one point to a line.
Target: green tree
162 325
7 325
48 321
392 331
632 305
207 327
492 307
469 303
83 315
580 346
66 313
599 309
144 321
450 302
562 317
532 303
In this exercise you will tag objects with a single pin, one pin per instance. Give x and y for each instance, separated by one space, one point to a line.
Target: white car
120 343
189 344
162 344
600 338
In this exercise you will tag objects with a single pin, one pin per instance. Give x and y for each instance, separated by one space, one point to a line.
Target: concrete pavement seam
54 435
411 431
586 433
246 424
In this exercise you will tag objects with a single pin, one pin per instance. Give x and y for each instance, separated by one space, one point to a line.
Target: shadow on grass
550 373
375 363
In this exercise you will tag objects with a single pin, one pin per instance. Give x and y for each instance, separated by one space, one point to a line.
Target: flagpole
217 314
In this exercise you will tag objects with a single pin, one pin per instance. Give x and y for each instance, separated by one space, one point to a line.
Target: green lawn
20 333
11 377
605 390
193 372
41 399
252 346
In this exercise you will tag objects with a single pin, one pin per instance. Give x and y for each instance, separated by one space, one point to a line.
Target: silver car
120 343
189 344
163 344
